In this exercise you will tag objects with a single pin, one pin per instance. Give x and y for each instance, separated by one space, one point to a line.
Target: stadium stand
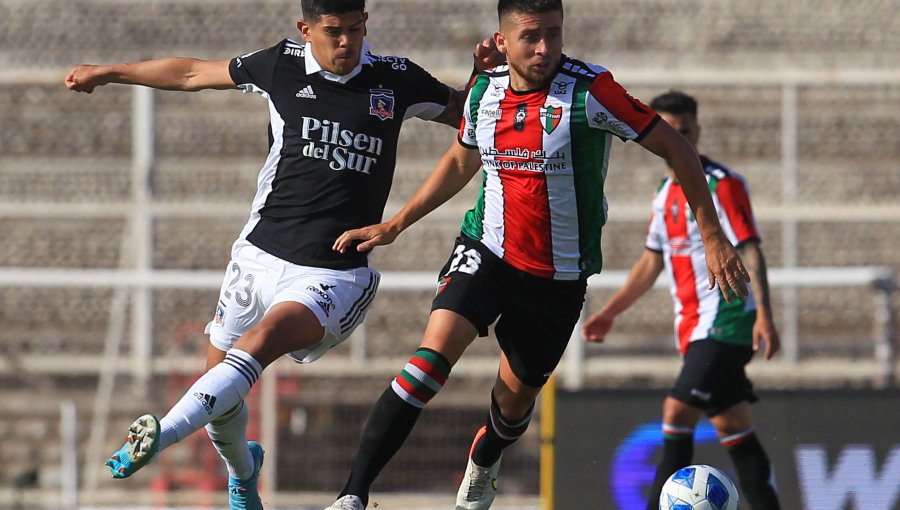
58 148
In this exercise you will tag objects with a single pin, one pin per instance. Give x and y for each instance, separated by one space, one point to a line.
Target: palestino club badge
550 117
381 103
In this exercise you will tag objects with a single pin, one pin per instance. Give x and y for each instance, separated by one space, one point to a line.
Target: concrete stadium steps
61 242
192 180
54 321
739 124
196 243
633 177
49 121
59 33
830 322
61 180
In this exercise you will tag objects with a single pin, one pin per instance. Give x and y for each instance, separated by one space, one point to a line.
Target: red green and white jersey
544 155
701 313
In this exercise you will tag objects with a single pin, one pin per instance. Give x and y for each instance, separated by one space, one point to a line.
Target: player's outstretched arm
764 328
177 73
640 279
450 175
722 260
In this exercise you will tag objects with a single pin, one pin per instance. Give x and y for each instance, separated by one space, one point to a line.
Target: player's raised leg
286 327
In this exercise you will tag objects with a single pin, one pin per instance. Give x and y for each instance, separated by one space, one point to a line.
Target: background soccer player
335 117
715 337
541 127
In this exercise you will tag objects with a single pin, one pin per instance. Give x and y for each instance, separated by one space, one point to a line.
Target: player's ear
304 28
365 28
500 42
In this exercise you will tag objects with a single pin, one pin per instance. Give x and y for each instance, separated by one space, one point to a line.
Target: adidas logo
306 93
208 401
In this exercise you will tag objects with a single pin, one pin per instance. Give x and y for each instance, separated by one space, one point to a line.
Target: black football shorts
536 315
712 376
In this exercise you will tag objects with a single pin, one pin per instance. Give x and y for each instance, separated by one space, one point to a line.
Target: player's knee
510 423
512 405
680 414
422 378
260 343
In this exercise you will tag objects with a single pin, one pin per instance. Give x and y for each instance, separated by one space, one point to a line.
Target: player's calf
754 469
479 485
393 418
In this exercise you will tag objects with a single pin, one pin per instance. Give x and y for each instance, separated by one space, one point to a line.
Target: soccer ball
699 487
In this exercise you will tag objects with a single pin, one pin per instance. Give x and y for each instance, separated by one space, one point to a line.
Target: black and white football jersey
333 147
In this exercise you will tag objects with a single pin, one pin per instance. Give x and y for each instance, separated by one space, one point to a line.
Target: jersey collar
312 65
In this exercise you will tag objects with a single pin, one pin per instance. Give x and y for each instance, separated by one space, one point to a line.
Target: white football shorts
255 281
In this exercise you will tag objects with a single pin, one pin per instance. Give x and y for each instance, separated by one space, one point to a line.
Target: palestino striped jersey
544 154
701 313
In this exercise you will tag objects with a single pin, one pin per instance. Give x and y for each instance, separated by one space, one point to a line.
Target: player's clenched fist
84 78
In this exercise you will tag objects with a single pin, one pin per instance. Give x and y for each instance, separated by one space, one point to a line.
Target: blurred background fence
117 211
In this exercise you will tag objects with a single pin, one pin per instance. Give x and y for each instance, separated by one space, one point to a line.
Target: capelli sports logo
489 113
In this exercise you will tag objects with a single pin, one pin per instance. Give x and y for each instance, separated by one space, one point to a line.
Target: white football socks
229 436
215 393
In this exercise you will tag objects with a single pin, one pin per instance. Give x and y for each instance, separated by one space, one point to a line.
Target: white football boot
348 502
479 486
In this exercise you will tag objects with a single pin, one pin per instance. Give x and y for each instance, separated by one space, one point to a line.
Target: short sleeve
610 108
428 96
254 71
655 239
466 135
734 198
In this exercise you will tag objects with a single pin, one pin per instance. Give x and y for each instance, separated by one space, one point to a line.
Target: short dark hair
674 102
505 7
314 9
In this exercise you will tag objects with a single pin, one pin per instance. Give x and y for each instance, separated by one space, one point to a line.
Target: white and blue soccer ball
699 487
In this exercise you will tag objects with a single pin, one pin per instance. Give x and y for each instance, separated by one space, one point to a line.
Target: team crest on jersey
219 317
550 117
381 102
521 115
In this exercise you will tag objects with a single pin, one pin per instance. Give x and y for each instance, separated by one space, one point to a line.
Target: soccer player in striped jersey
336 110
716 338
542 127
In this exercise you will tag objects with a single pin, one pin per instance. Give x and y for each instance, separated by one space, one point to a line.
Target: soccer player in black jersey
335 115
